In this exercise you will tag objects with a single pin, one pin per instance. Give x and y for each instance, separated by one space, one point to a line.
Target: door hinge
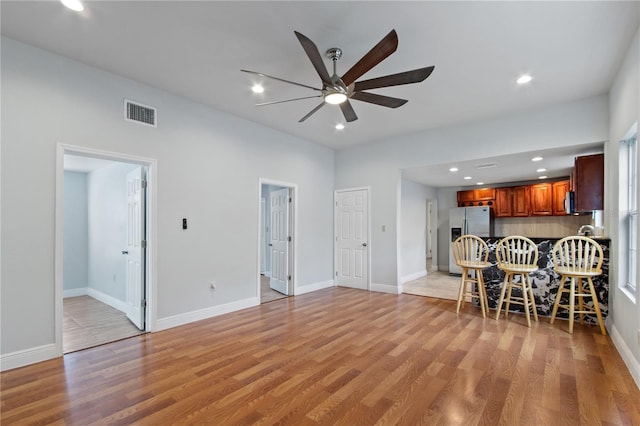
336 273
289 239
289 278
143 244
143 303
289 199
143 184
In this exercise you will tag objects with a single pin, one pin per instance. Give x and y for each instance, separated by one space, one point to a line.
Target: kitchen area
544 212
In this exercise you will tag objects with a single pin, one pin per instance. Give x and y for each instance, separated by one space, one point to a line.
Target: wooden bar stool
517 256
576 259
471 253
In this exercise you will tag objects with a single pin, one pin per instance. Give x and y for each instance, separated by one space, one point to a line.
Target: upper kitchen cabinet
476 197
588 183
504 202
559 191
521 200
541 199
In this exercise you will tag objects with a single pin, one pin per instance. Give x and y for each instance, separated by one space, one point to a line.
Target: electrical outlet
212 285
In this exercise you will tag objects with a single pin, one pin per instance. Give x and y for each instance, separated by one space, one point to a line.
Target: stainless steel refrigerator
467 220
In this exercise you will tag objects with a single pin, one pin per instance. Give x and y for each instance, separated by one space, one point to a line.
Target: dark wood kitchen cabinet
541 199
559 193
504 202
521 200
588 183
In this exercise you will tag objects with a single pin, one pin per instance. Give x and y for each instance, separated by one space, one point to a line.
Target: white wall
378 164
76 246
413 224
107 200
624 111
209 164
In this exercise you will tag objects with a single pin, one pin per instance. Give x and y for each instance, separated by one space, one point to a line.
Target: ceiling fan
339 90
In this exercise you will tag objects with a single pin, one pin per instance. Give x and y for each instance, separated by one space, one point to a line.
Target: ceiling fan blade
281 79
407 77
377 54
314 56
288 100
311 112
386 101
348 112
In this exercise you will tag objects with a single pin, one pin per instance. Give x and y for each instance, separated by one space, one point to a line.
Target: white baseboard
109 300
386 288
200 314
414 276
314 287
75 292
28 356
627 356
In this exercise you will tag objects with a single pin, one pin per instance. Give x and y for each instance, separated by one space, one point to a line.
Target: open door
280 240
135 253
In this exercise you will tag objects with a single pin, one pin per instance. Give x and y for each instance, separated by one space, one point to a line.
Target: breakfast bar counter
545 281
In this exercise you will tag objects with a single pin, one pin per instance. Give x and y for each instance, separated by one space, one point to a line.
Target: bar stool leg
482 289
532 299
502 292
510 285
596 305
561 290
462 292
572 303
481 296
581 290
525 299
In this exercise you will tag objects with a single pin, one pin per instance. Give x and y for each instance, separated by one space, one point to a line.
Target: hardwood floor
335 357
88 322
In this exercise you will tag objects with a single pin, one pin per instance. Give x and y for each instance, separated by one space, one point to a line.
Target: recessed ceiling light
467 177
480 183
542 177
524 79
537 159
339 126
73 5
453 169
541 170
257 88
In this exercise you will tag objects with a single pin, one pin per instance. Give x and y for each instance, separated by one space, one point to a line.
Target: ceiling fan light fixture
73 5
256 88
335 98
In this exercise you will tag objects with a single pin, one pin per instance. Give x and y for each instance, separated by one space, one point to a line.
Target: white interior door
280 240
135 253
352 230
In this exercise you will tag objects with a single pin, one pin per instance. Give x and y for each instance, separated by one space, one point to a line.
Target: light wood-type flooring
434 284
335 357
88 322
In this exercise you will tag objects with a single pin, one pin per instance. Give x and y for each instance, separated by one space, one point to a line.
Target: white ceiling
196 50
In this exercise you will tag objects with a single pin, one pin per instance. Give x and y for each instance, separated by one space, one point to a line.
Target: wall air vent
138 113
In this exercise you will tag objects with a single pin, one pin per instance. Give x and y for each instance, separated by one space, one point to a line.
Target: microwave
570 202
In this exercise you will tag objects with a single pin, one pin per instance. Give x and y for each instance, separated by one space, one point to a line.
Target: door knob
270 245
125 252
364 244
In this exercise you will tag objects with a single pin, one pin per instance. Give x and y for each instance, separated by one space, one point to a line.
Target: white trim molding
314 287
414 276
627 356
386 288
28 356
109 300
75 292
200 314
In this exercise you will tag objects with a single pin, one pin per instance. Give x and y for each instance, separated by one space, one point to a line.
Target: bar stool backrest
517 250
470 249
577 254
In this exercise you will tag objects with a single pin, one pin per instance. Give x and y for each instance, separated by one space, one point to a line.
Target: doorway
432 236
276 278
103 273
